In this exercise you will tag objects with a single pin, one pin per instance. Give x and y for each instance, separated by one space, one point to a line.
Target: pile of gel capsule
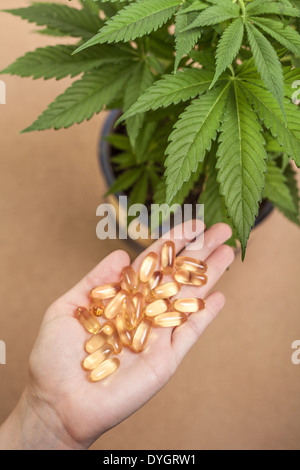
137 303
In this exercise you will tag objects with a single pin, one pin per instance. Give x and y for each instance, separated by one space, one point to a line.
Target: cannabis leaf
84 98
258 7
215 14
276 189
57 61
184 40
135 21
192 137
171 89
64 19
267 63
287 134
285 35
228 47
241 163
141 79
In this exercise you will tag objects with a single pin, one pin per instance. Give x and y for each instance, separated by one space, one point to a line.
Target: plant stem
243 8
232 70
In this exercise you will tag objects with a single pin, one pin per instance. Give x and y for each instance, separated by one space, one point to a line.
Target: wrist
35 425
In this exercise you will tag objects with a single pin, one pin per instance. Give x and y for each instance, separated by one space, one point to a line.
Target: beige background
237 389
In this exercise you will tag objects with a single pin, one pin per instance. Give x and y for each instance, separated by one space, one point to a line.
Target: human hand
73 412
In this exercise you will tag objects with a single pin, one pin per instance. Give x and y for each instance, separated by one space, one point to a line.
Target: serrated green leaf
291 181
144 140
269 112
214 15
119 141
210 197
67 20
141 79
192 136
171 89
138 194
228 47
134 21
195 6
124 160
276 189
184 41
285 35
125 180
265 7
57 61
84 98
241 163
267 63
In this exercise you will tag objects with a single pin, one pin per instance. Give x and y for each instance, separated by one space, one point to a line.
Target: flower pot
105 153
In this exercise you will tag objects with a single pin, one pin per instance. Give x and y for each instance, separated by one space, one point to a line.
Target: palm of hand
86 409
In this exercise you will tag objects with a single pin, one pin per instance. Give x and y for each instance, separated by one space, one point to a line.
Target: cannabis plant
206 92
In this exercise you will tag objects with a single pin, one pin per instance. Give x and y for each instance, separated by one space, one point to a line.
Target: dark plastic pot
105 154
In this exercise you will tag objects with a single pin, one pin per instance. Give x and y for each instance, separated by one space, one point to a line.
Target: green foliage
206 89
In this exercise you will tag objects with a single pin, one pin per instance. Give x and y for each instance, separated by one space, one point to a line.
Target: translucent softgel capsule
97 357
141 336
155 280
156 307
115 341
115 305
190 264
87 320
96 341
139 303
97 309
105 369
189 305
148 267
168 257
125 335
129 313
130 280
190 278
163 291
107 291
169 319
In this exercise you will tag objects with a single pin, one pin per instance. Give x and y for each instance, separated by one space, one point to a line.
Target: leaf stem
243 8
232 70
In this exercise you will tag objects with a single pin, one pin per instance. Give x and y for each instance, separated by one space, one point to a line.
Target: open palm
85 409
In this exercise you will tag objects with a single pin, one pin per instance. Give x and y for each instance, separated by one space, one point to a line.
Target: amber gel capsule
155 280
156 307
96 341
115 341
105 369
188 305
107 291
190 278
148 267
129 313
163 291
141 336
125 335
190 264
115 305
139 303
87 320
169 319
168 257
97 309
130 279
98 356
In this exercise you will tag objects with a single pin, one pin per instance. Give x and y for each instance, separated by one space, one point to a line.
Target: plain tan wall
237 389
